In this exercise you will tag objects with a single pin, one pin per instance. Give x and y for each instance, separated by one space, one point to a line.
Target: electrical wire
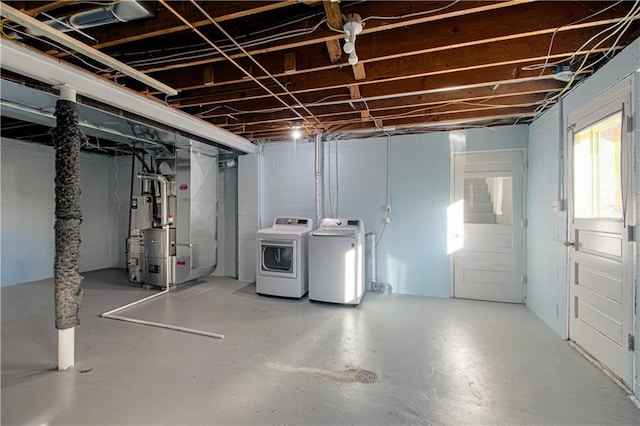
411 15
553 35
3 21
249 57
62 48
615 28
210 52
64 24
115 162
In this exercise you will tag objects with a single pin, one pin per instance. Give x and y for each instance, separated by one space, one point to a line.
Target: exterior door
489 198
601 223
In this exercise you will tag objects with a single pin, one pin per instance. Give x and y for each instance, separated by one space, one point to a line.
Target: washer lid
339 227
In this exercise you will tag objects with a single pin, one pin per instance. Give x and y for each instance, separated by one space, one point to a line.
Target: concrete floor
291 362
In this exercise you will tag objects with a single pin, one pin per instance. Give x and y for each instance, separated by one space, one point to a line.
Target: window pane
596 165
488 200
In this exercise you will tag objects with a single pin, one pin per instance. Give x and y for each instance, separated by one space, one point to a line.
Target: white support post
66 348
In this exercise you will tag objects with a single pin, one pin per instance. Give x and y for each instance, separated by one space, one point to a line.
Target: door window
488 200
596 163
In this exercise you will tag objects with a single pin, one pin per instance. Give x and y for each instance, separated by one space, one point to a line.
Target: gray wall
248 214
547 260
227 223
412 252
27 211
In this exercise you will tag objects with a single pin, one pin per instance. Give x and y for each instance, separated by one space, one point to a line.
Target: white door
601 218
489 197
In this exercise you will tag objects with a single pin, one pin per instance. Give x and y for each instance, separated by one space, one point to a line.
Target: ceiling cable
212 44
242 49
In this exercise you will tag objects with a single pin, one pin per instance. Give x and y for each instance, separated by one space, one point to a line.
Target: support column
68 295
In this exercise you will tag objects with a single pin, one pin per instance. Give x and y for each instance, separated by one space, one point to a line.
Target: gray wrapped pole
68 295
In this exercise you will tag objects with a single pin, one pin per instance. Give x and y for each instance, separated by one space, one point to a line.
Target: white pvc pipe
372 243
66 348
111 315
67 93
164 213
319 186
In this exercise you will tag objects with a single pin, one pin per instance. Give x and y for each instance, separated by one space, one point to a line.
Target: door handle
569 244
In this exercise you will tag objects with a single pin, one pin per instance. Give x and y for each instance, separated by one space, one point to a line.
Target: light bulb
353 58
349 47
296 133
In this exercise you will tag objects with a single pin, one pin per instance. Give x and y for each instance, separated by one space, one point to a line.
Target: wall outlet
557 206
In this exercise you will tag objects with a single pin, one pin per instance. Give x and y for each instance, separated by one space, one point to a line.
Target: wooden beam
354 91
208 76
408 107
289 63
166 23
334 20
508 53
47 7
398 44
358 71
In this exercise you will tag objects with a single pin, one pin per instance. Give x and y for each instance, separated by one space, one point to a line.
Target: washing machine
282 257
336 261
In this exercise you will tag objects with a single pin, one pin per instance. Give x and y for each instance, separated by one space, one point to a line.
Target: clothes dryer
282 257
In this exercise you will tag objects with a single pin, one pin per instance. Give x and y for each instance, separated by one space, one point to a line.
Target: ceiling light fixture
296 132
352 27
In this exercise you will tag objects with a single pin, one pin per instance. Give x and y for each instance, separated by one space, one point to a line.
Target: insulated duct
68 139
123 11
319 179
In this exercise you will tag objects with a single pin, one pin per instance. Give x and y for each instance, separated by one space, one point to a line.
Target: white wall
547 267
27 211
411 255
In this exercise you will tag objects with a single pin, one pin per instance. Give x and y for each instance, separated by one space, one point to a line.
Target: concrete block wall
546 256
227 223
27 211
547 267
412 249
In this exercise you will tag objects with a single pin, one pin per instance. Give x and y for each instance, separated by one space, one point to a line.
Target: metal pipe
319 187
164 184
38 27
372 254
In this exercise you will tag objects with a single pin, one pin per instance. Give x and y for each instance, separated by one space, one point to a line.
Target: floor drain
364 376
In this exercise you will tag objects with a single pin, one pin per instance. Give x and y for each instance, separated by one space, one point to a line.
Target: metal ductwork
124 11
173 233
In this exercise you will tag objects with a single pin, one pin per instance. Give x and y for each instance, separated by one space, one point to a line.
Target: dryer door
278 258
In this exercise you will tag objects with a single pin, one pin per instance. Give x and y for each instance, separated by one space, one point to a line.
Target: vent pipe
319 179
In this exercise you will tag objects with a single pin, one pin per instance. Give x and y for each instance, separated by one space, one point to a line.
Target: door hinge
523 223
631 233
631 342
630 124
523 279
